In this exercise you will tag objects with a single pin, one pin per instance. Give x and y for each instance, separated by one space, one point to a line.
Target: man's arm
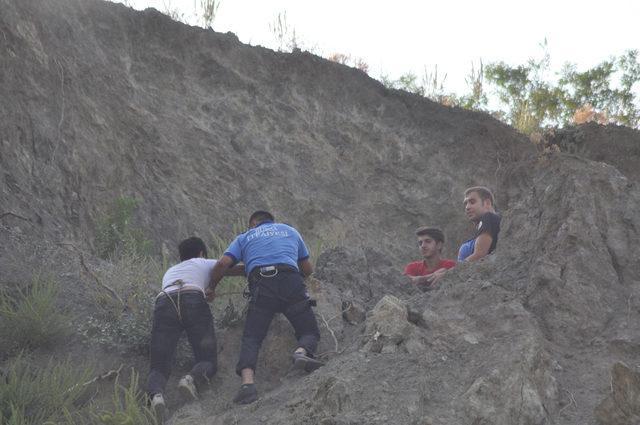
436 276
481 247
419 280
237 270
306 268
217 273
428 279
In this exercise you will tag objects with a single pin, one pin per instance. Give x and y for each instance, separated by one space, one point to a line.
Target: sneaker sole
160 411
250 398
246 400
299 364
313 365
308 365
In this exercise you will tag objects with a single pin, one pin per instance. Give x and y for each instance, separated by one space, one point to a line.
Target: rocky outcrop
387 327
98 101
595 142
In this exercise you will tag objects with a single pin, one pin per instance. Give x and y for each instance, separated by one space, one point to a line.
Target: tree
532 101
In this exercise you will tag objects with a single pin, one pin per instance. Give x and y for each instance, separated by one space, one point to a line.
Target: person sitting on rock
276 259
479 208
181 305
432 267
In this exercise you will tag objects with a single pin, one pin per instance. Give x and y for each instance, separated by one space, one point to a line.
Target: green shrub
53 394
126 327
31 394
129 407
30 317
228 305
127 286
116 234
135 278
532 100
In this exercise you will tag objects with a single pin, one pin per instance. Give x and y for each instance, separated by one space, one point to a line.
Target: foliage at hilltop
530 100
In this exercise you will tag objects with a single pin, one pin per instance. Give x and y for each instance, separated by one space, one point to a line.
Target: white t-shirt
195 273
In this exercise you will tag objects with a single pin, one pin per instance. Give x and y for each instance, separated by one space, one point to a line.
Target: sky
403 36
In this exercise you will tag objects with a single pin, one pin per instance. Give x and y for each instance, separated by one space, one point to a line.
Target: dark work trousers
197 321
284 293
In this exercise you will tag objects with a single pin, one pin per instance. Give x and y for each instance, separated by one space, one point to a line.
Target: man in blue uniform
275 259
479 208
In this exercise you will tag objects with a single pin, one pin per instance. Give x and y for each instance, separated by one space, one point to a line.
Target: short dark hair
260 216
191 248
434 232
483 192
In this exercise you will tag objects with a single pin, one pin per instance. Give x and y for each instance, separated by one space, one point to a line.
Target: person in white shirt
182 306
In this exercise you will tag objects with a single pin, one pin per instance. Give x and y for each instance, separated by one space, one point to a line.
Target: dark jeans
284 293
197 321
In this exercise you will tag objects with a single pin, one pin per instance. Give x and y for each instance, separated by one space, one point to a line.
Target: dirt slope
98 101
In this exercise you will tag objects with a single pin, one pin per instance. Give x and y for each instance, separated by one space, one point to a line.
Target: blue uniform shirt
267 244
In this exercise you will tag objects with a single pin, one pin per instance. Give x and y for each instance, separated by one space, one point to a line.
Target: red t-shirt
419 268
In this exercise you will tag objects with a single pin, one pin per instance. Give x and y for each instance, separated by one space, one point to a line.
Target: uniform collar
264 222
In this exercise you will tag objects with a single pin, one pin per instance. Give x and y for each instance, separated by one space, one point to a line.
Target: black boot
302 361
247 394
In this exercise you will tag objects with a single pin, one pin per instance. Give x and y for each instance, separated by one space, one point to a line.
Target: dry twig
107 375
62 96
572 400
326 324
344 310
109 289
326 353
6 214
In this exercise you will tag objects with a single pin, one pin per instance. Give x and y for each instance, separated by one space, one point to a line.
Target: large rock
387 326
521 392
622 406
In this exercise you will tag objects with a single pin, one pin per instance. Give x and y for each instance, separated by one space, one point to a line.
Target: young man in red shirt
433 266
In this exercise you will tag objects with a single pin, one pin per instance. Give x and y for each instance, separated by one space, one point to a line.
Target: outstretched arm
429 279
436 276
219 270
306 268
237 270
419 280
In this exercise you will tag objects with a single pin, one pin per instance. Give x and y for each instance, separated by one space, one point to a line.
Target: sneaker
158 406
306 363
247 394
187 388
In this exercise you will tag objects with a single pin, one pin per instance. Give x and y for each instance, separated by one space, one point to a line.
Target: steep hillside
98 101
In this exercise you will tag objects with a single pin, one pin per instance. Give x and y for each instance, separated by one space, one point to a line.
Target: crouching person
181 306
275 259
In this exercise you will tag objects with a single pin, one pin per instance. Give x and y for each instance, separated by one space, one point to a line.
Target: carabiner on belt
268 271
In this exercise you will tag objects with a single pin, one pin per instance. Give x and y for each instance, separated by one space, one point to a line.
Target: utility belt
268 272
271 271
